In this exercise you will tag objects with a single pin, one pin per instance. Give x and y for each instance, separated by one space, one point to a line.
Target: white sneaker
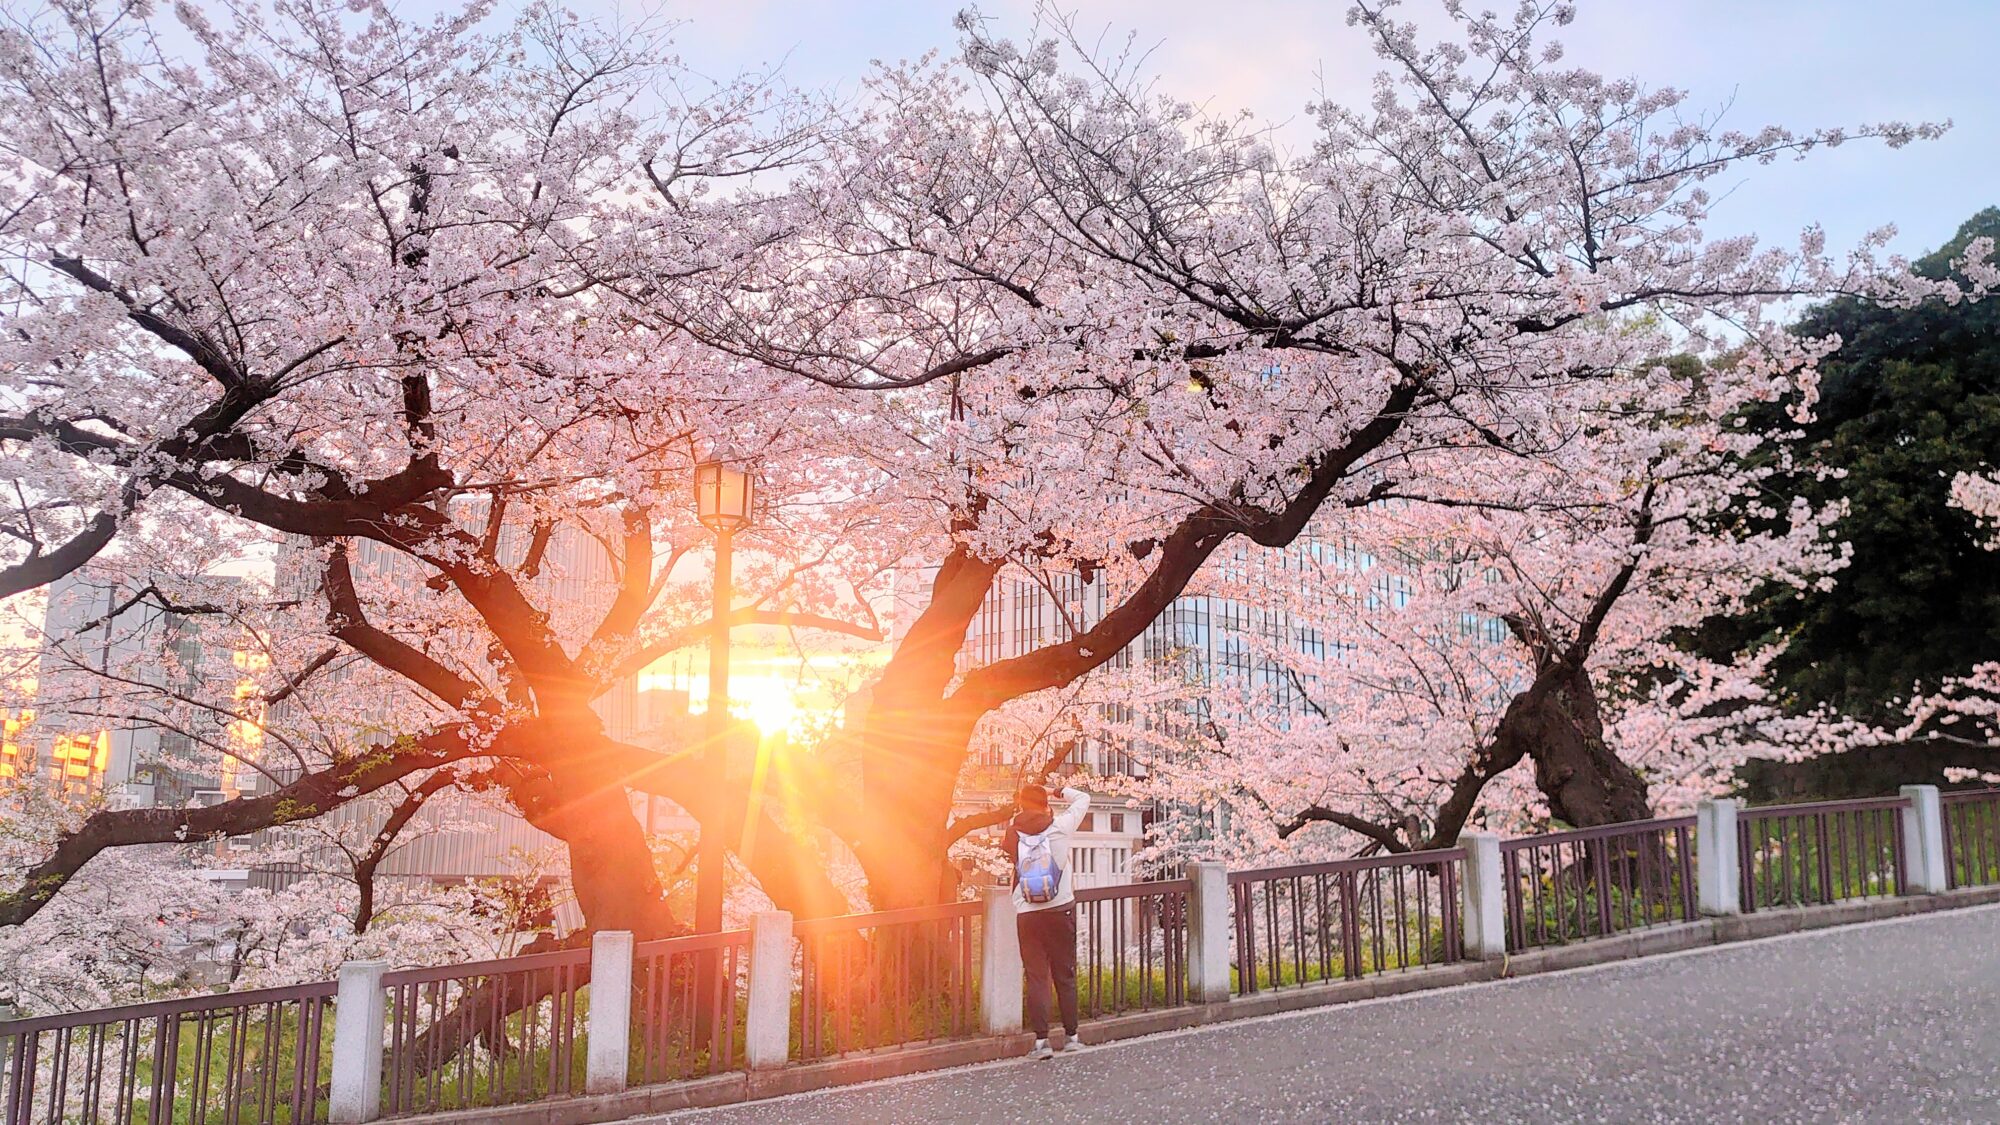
1072 1045
1041 1050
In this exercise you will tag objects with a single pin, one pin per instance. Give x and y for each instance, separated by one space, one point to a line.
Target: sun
770 703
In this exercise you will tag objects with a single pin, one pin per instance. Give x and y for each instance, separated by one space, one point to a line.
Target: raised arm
1079 804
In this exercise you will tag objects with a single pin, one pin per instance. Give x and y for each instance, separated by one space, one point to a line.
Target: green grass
1109 992
1577 914
1309 967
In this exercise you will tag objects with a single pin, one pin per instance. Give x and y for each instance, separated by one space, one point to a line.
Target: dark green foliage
1911 398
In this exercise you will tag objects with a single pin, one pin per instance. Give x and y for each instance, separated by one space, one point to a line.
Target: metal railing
508 1031
1971 837
258 1056
1563 887
679 1028
1819 853
485 1034
1132 947
1345 919
886 979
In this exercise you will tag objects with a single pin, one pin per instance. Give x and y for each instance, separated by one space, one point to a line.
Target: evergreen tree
1911 398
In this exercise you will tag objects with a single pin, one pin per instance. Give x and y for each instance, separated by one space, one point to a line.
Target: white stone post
1000 973
608 1039
1718 868
1208 933
1924 871
767 1026
356 1094
1485 912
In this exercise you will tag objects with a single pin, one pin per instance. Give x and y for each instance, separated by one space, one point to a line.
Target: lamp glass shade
723 496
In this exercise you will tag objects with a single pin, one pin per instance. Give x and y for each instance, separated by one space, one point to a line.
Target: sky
1800 63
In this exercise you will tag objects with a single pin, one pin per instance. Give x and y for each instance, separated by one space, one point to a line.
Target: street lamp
723 500
723 497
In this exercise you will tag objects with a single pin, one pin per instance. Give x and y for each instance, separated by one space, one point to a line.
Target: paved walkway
1890 1022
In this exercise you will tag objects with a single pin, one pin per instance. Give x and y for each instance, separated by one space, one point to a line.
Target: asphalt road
1892 1022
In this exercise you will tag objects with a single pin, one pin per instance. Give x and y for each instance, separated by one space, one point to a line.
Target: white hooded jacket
1057 832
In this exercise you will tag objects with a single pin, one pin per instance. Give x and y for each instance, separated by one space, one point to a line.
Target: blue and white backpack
1036 869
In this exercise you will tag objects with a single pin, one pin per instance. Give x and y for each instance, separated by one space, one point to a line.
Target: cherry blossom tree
1390 676
322 294
1980 495
399 303
1110 337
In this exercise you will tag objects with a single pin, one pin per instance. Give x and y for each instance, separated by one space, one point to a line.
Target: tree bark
1584 780
610 862
914 750
1556 725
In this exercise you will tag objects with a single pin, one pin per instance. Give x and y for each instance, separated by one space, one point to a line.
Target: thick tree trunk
910 763
915 744
610 861
1584 780
1561 731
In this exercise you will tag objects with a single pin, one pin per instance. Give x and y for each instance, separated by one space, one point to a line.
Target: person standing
1045 907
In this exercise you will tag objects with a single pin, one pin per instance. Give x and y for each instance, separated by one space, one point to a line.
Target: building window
1117 822
1089 820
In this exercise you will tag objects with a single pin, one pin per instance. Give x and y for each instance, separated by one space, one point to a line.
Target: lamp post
723 499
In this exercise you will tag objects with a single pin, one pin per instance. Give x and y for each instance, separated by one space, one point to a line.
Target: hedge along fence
520 1029
1132 947
689 995
886 979
485 1034
256 1056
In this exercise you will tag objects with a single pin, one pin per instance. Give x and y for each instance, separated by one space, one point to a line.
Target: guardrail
1345 919
1972 837
495 1033
688 995
1821 853
485 1034
885 979
255 1056
1593 882
1132 945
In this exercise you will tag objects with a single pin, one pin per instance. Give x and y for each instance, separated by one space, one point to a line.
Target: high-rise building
1204 640
113 710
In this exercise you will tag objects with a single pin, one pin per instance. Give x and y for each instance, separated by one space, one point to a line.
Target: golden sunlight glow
769 702
786 694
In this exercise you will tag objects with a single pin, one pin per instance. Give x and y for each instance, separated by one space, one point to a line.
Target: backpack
1036 871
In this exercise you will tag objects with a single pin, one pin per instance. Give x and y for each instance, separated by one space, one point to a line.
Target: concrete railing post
1485 897
1718 868
767 1025
356 1093
1924 871
1208 933
608 1039
1000 974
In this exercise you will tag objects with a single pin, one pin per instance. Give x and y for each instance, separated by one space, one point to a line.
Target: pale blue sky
1795 62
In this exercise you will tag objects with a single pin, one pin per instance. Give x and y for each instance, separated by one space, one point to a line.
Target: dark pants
1048 955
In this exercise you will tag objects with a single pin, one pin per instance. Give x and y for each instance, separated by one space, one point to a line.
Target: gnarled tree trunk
1585 781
